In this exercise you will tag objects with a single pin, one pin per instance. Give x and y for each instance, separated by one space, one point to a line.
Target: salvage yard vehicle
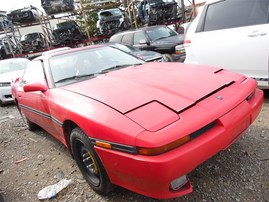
57 6
34 41
5 24
233 35
66 33
7 46
25 15
111 21
159 38
10 69
142 126
156 12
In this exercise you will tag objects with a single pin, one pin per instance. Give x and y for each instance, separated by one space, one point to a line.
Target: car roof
61 51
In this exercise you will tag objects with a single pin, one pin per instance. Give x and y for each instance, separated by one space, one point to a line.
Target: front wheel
89 163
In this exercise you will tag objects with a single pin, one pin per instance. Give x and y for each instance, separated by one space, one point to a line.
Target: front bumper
152 175
5 95
180 54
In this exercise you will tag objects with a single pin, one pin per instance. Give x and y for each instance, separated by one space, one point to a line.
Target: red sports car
142 126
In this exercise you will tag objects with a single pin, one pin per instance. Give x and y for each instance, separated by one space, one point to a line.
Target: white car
10 69
233 34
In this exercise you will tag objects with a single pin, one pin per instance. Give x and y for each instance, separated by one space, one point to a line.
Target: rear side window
34 72
235 13
116 38
127 39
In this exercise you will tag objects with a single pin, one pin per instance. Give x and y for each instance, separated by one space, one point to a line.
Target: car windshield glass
11 65
64 25
160 33
85 64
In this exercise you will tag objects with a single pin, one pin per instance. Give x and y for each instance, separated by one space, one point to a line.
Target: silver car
10 69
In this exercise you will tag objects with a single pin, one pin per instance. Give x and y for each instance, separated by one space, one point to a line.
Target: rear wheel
89 163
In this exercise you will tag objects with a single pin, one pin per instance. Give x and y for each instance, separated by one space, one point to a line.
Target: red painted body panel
117 107
175 85
152 175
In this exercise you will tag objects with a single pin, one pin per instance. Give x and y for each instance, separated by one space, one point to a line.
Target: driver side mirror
143 41
35 87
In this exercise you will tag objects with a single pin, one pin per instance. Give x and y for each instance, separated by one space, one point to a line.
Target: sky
6 5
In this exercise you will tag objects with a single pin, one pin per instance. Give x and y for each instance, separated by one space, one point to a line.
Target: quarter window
231 14
127 39
33 72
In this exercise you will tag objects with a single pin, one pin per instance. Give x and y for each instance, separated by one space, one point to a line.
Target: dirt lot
29 161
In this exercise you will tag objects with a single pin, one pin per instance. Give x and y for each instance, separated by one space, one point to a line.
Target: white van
233 34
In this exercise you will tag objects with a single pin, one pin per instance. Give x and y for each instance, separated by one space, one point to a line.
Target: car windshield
88 63
31 36
12 65
160 33
64 25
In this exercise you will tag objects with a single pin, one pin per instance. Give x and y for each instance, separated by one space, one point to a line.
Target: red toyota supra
141 126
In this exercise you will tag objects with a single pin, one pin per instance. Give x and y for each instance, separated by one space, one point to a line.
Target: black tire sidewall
78 135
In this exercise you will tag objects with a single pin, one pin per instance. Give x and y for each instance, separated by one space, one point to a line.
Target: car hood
147 55
175 85
175 40
10 76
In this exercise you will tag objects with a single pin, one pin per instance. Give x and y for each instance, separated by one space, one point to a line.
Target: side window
231 14
116 38
138 36
127 39
33 73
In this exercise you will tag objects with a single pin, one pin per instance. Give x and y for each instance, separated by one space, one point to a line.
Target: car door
34 104
233 35
141 41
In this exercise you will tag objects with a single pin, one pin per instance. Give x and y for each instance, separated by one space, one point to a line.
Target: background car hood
10 76
147 55
175 40
175 85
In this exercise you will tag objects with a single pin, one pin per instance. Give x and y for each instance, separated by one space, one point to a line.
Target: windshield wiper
76 77
116 67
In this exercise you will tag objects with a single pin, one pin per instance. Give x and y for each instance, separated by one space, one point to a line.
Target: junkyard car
25 15
160 38
5 24
57 6
111 21
10 69
142 126
7 46
148 56
66 33
156 12
233 35
34 41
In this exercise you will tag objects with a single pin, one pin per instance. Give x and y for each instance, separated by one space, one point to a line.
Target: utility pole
183 11
194 8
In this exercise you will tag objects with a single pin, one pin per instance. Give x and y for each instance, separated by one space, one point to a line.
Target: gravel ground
30 161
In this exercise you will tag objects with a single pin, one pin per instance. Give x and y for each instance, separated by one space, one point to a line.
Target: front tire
89 163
